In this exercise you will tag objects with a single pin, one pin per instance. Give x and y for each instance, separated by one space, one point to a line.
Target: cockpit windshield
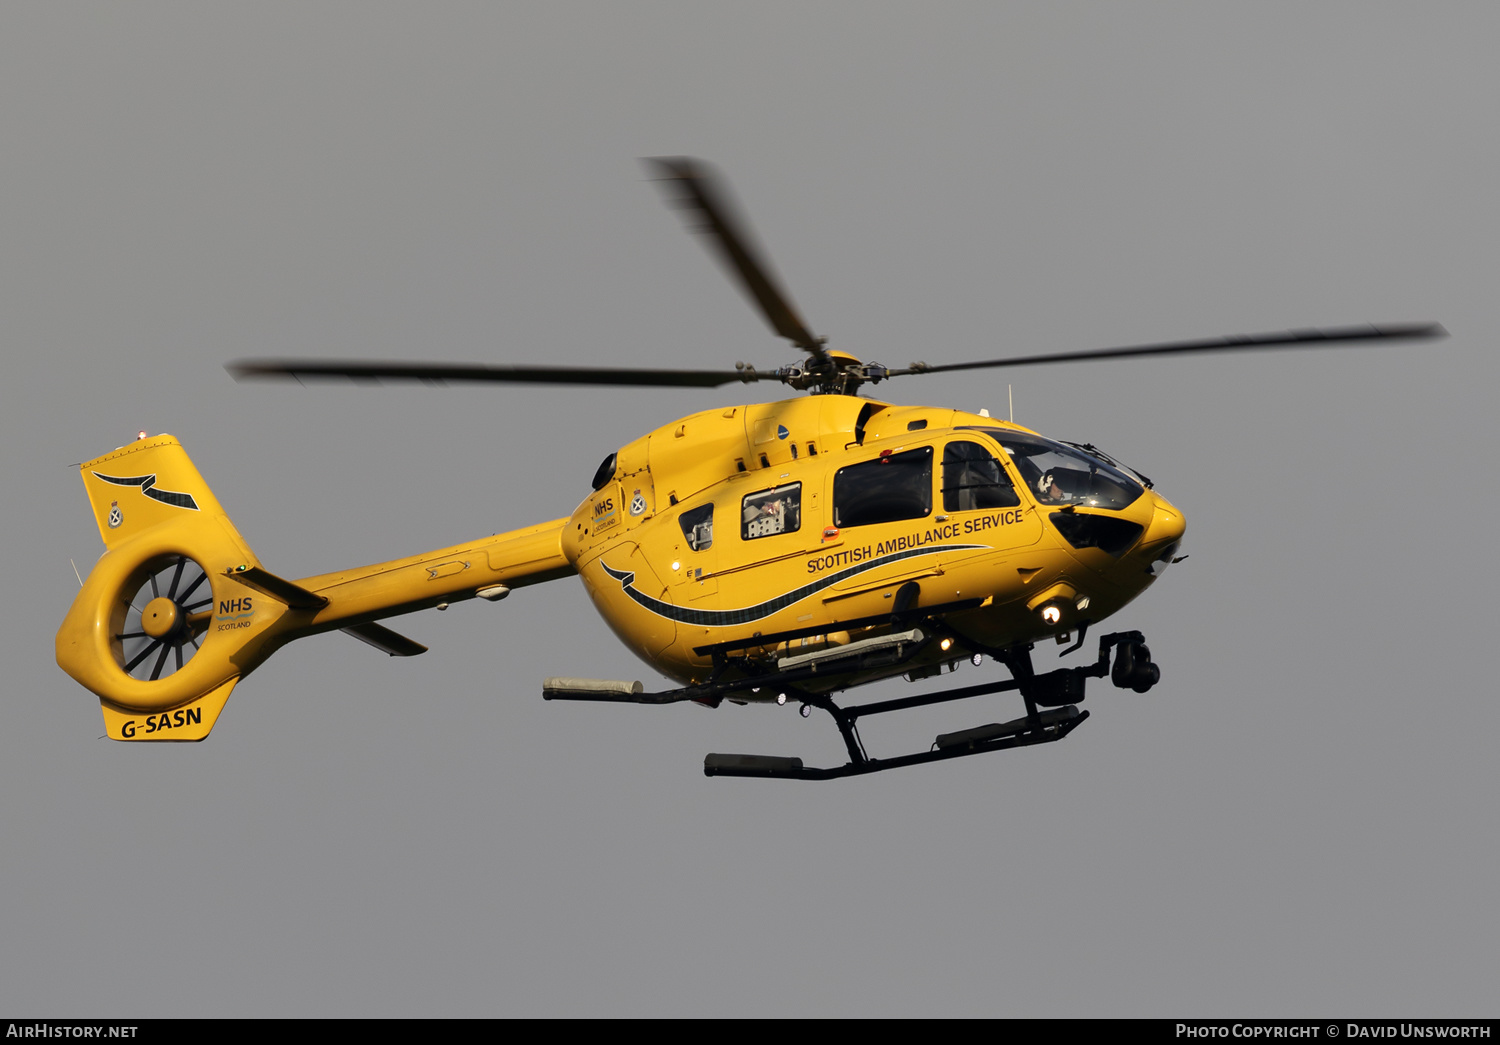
1058 474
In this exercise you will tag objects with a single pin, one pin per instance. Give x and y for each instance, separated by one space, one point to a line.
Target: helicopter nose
1161 545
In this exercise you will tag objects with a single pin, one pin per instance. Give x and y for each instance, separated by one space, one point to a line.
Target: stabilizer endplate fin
279 588
385 640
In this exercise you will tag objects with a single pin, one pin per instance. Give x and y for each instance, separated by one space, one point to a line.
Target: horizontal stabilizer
282 590
385 640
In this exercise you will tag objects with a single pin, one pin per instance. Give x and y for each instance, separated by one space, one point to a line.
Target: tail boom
162 650
514 559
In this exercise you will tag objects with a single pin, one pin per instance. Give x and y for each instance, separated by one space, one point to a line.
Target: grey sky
1297 821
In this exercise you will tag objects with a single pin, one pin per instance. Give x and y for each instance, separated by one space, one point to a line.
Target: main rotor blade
1331 337
693 184
444 373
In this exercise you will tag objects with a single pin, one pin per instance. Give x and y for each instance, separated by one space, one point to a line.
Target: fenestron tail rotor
162 616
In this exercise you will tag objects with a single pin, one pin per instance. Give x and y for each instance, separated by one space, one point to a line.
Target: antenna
75 572
1011 397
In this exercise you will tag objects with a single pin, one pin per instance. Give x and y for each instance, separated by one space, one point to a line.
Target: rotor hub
161 617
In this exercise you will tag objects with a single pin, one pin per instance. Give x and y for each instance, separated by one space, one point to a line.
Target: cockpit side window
698 527
771 512
973 479
890 488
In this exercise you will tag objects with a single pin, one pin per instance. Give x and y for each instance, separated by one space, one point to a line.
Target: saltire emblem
116 517
147 483
728 618
637 503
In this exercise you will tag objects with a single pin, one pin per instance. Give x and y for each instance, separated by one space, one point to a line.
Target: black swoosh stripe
727 618
147 483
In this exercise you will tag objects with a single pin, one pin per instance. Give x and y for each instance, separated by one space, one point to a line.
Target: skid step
995 730
751 765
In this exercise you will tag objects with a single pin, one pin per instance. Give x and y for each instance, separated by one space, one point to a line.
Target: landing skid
1036 727
1022 732
1057 691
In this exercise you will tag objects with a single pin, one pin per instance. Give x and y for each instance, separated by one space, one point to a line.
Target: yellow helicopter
769 553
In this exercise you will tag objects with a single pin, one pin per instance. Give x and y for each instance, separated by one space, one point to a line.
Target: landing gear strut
1058 692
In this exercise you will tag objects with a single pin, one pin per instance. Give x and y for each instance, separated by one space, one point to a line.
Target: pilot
1048 492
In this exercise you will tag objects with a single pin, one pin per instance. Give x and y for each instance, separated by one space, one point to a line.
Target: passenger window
698 527
973 479
772 511
890 488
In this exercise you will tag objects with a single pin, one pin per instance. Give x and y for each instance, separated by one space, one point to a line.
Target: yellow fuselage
667 599
717 529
